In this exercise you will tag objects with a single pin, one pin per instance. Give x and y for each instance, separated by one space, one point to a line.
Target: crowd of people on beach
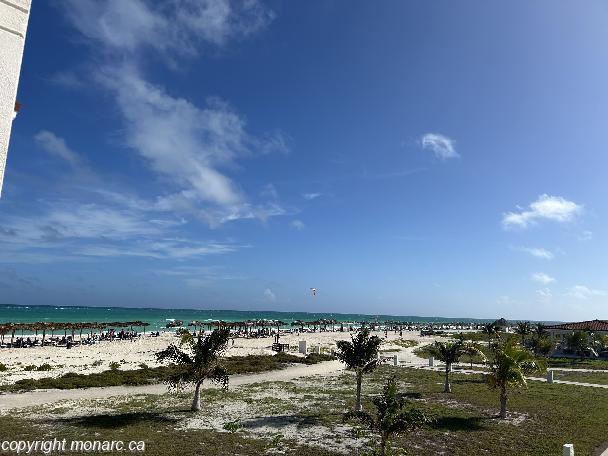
69 341
91 338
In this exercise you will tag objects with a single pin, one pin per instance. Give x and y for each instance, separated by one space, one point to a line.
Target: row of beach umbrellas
48 326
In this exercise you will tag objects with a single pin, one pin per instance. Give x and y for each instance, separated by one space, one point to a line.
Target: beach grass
252 419
145 375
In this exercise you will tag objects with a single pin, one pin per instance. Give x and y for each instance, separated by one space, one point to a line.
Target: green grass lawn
599 364
598 378
542 418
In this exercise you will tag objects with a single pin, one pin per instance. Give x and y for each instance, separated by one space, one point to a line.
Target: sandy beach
130 354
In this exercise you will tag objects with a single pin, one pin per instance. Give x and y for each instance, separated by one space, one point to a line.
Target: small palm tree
540 340
201 361
523 329
394 415
473 349
540 331
360 355
508 369
578 343
450 353
491 330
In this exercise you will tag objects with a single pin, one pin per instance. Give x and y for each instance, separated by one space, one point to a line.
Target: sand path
38 397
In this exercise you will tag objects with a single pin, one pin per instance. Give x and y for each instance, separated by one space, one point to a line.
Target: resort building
560 332
14 15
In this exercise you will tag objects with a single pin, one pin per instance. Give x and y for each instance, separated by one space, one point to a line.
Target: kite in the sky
314 291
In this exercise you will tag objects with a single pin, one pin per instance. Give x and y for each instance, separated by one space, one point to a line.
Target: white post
568 449
302 347
431 361
317 350
396 360
549 376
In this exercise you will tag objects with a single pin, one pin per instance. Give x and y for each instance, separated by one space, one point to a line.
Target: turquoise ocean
158 317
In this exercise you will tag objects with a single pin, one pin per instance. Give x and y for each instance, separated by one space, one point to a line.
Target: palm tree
540 342
491 330
360 355
199 362
578 343
450 353
473 349
540 331
523 329
394 415
508 369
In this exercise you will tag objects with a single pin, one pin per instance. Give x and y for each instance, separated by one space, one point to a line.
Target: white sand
130 354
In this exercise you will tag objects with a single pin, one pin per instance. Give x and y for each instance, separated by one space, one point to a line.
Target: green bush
232 426
3 368
114 365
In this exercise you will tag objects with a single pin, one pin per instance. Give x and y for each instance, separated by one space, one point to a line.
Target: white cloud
311 196
554 208
538 252
176 27
298 225
440 145
269 295
180 140
543 278
56 146
190 146
98 230
584 292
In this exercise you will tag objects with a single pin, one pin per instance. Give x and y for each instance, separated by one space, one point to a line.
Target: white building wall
14 15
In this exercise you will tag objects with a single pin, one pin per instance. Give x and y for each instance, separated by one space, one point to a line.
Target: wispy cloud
583 292
554 208
191 147
543 278
177 27
544 295
311 196
269 191
585 236
538 252
99 230
57 147
297 225
269 295
441 146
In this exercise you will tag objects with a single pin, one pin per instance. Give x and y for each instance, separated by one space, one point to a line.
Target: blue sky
410 158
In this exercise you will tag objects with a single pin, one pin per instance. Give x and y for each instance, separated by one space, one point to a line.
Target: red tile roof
593 325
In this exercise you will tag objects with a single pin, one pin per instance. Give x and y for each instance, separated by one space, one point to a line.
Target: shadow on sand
112 421
281 421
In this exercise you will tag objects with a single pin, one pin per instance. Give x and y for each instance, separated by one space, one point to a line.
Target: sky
406 158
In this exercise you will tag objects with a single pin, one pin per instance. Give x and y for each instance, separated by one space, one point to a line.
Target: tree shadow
469 379
410 395
458 423
281 421
112 421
